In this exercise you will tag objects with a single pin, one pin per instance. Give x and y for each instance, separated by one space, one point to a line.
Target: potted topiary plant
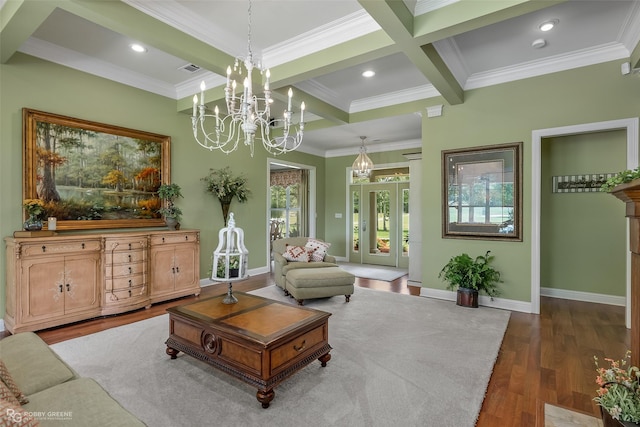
470 276
172 214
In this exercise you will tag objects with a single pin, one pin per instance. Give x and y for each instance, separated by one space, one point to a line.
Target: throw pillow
7 395
318 247
14 416
6 378
296 254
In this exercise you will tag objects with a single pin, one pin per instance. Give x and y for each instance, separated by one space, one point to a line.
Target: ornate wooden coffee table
257 340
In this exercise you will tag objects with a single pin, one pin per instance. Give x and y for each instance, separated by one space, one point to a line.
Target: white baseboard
501 303
583 296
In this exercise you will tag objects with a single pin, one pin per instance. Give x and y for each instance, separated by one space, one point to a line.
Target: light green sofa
57 394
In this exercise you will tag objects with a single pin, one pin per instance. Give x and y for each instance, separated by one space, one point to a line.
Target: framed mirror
482 192
92 175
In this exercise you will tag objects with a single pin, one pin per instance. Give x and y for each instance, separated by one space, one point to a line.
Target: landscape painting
92 175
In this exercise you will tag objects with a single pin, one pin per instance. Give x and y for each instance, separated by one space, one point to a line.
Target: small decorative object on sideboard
34 209
619 392
230 258
471 276
171 213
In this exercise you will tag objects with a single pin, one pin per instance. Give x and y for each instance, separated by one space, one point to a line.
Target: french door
380 223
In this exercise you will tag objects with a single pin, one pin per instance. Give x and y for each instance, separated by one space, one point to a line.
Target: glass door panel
403 238
379 222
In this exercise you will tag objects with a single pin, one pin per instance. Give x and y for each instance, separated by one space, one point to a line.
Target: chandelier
363 165
248 115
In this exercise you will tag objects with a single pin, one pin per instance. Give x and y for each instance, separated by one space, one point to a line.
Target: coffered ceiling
418 49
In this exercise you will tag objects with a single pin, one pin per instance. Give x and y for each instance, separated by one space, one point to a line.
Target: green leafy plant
223 185
620 178
34 207
234 264
619 392
169 193
465 272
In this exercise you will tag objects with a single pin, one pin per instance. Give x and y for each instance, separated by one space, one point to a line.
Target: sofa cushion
298 265
296 254
318 247
32 363
7 379
8 395
15 416
80 402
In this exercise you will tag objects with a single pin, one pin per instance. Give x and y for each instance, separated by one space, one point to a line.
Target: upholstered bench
308 283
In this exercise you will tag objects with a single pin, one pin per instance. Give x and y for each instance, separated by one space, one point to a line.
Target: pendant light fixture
248 115
363 165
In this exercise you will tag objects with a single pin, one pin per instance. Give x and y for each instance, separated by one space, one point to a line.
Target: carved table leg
324 359
172 352
265 397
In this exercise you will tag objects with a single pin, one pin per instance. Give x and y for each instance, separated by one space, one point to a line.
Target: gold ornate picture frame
92 175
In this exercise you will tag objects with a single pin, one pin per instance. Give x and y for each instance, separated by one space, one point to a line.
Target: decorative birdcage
231 257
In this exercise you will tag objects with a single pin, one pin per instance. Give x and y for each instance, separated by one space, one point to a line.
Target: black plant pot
467 297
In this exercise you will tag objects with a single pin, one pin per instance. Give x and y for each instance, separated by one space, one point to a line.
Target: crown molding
347 28
375 148
406 95
582 58
425 6
68 58
323 93
181 18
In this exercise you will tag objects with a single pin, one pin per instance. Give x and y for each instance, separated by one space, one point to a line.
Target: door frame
348 175
631 127
312 199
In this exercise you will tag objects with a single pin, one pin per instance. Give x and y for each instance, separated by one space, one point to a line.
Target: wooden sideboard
56 280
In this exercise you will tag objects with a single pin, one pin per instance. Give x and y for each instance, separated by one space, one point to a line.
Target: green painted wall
499 114
583 235
29 82
506 113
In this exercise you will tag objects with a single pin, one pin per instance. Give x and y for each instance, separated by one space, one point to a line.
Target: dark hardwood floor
543 358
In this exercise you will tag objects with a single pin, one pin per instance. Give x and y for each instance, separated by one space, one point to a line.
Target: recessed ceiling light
138 48
368 73
548 25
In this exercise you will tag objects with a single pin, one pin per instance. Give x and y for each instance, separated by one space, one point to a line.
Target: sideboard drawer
124 270
162 239
60 247
125 282
126 257
113 245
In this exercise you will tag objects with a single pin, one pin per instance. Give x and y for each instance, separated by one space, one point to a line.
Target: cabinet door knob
129 258
82 245
186 238
129 246
177 269
130 270
129 282
60 286
173 269
44 248
68 287
163 240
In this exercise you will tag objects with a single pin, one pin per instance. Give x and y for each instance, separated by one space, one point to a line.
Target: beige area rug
397 360
376 272
554 416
